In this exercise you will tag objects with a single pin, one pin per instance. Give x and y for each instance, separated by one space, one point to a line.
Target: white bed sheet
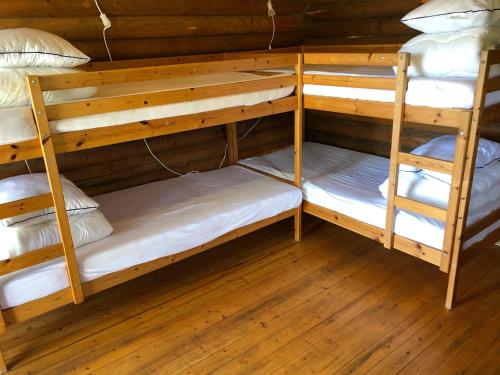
18 125
157 220
431 92
348 182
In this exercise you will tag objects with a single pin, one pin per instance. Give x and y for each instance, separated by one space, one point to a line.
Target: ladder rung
425 162
420 208
26 205
493 84
30 259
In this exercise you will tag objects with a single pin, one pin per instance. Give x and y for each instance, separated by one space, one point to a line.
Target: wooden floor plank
333 303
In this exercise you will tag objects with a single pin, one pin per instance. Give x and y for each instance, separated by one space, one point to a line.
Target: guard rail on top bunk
48 145
466 123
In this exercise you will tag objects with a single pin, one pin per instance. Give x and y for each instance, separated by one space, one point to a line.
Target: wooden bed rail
351 58
107 77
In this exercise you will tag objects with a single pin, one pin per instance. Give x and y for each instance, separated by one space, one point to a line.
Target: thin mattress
348 182
427 92
18 124
160 219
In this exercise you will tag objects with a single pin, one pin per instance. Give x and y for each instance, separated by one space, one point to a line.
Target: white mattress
157 220
18 123
348 182
428 92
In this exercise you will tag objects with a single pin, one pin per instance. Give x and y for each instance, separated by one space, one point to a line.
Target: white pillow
29 185
444 148
455 54
30 47
442 16
422 188
14 93
86 228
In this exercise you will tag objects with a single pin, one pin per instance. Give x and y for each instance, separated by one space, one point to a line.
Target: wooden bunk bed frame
467 123
49 145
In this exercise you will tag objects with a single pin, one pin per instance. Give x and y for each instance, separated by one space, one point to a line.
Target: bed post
468 175
232 143
3 329
298 138
49 157
398 121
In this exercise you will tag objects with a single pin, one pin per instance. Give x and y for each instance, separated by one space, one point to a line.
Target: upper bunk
119 104
362 80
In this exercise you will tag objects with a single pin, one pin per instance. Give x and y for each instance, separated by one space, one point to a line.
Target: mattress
348 182
428 92
157 220
18 124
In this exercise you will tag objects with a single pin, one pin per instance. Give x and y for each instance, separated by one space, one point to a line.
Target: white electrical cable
239 139
163 165
107 24
28 166
274 33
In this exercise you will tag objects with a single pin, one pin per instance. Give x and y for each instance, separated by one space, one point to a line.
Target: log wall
159 28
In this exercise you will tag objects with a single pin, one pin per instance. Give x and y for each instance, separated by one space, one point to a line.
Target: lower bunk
154 225
346 187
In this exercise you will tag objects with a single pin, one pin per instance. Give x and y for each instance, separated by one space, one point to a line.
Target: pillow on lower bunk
455 54
30 185
415 185
441 16
488 152
86 228
14 93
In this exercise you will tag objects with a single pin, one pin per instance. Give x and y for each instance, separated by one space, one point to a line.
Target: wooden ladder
454 168
56 197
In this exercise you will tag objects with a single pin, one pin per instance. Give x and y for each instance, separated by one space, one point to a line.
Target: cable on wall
163 165
106 22
271 13
239 139
28 166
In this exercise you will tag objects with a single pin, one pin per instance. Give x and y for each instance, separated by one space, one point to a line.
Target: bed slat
425 162
351 81
351 58
30 259
420 208
26 205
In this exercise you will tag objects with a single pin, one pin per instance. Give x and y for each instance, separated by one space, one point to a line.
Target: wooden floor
334 303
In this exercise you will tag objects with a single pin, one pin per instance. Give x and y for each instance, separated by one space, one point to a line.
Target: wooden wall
358 21
158 28
150 28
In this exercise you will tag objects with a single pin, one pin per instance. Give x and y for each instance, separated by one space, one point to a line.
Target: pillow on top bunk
441 16
25 186
14 93
85 229
455 54
30 47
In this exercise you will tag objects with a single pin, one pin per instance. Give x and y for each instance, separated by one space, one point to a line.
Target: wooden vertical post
454 197
397 125
468 175
3 329
232 143
50 161
298 139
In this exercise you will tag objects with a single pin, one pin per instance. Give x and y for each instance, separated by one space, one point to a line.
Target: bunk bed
159 223
360 81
